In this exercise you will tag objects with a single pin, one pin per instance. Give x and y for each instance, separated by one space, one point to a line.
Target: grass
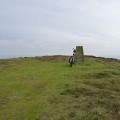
48 89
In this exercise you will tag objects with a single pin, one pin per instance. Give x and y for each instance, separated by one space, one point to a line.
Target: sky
55 27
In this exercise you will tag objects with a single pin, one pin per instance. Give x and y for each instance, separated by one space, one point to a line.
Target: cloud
38 27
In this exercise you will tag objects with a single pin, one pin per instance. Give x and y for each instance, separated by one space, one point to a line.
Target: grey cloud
40 27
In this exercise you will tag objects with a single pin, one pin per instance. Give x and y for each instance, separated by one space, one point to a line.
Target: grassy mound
46 88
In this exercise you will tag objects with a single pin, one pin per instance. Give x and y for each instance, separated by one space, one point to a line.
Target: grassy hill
46 88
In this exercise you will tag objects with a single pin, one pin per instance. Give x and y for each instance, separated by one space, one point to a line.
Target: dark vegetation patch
97 75
103 59
56 58
98 103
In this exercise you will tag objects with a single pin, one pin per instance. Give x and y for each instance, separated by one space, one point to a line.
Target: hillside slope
46 88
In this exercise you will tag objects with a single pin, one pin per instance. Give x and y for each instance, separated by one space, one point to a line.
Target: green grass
48 89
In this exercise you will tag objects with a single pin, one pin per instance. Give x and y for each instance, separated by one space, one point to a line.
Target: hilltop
46 88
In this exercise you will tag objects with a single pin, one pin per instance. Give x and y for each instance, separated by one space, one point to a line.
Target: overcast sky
49 27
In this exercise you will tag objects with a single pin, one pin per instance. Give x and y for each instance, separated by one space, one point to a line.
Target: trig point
79 55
